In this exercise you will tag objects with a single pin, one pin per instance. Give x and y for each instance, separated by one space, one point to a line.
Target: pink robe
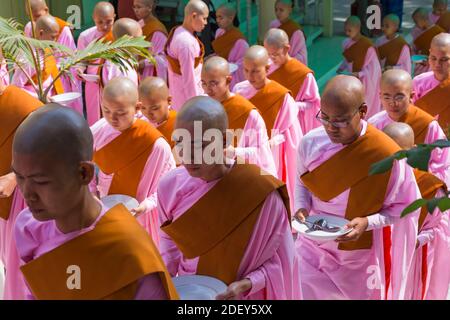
4 74
424 83
298 48
20 80
15 288
35 238
330 273
285 136
370 76
159 162
308 102
404 61
269 260
93 90
65 38
435 234
236 56
418 68
434 18
158 41
439 164
185 48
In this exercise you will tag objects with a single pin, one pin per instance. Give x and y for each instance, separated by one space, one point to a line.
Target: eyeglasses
337 124
397 98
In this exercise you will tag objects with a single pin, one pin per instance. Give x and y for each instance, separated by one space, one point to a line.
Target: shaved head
126 26
216 64
442 40
103 9
47 23
123 88
257 54
440 2
196 6
421 14
345 92
37 5
394 77
154 87
205 109
353 21
276 38
57 131
228 10
393 18
148 3
401 133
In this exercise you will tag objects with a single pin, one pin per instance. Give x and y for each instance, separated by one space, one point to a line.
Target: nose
28 192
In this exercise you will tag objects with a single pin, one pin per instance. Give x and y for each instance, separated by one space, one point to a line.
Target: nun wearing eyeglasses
396 96
333 179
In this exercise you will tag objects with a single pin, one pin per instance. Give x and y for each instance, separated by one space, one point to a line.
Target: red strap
424 269
387 244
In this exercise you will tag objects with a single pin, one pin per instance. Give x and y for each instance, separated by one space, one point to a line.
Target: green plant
20 50
419 158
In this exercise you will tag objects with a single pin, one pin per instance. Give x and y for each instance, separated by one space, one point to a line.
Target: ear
363 110
267 68
138 106
86 172
412 95
229 79
169 100
286 49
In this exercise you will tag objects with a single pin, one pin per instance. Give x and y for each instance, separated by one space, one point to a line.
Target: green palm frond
24 51
123 52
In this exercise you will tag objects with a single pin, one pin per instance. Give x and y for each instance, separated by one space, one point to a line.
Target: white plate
65 97
114 199
233 67
419 58
322 236
197 287
90 77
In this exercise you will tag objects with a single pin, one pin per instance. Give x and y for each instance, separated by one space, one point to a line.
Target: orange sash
50 69
290 27
428 186
167 127
423 42
349 169
174 63
391 50
112 258
15 105
269 101
437 103
223 44
126 156
419 121
62 24
291 75
444 21
154 25
356 54
238 109
218 227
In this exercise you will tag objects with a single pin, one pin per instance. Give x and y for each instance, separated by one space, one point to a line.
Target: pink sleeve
431 225
187 56
19 78
28 32
170 253
159 163
404 62
66 38
440 158
254 144
308 96
151 287
302 199
287 124
298 47
270 261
